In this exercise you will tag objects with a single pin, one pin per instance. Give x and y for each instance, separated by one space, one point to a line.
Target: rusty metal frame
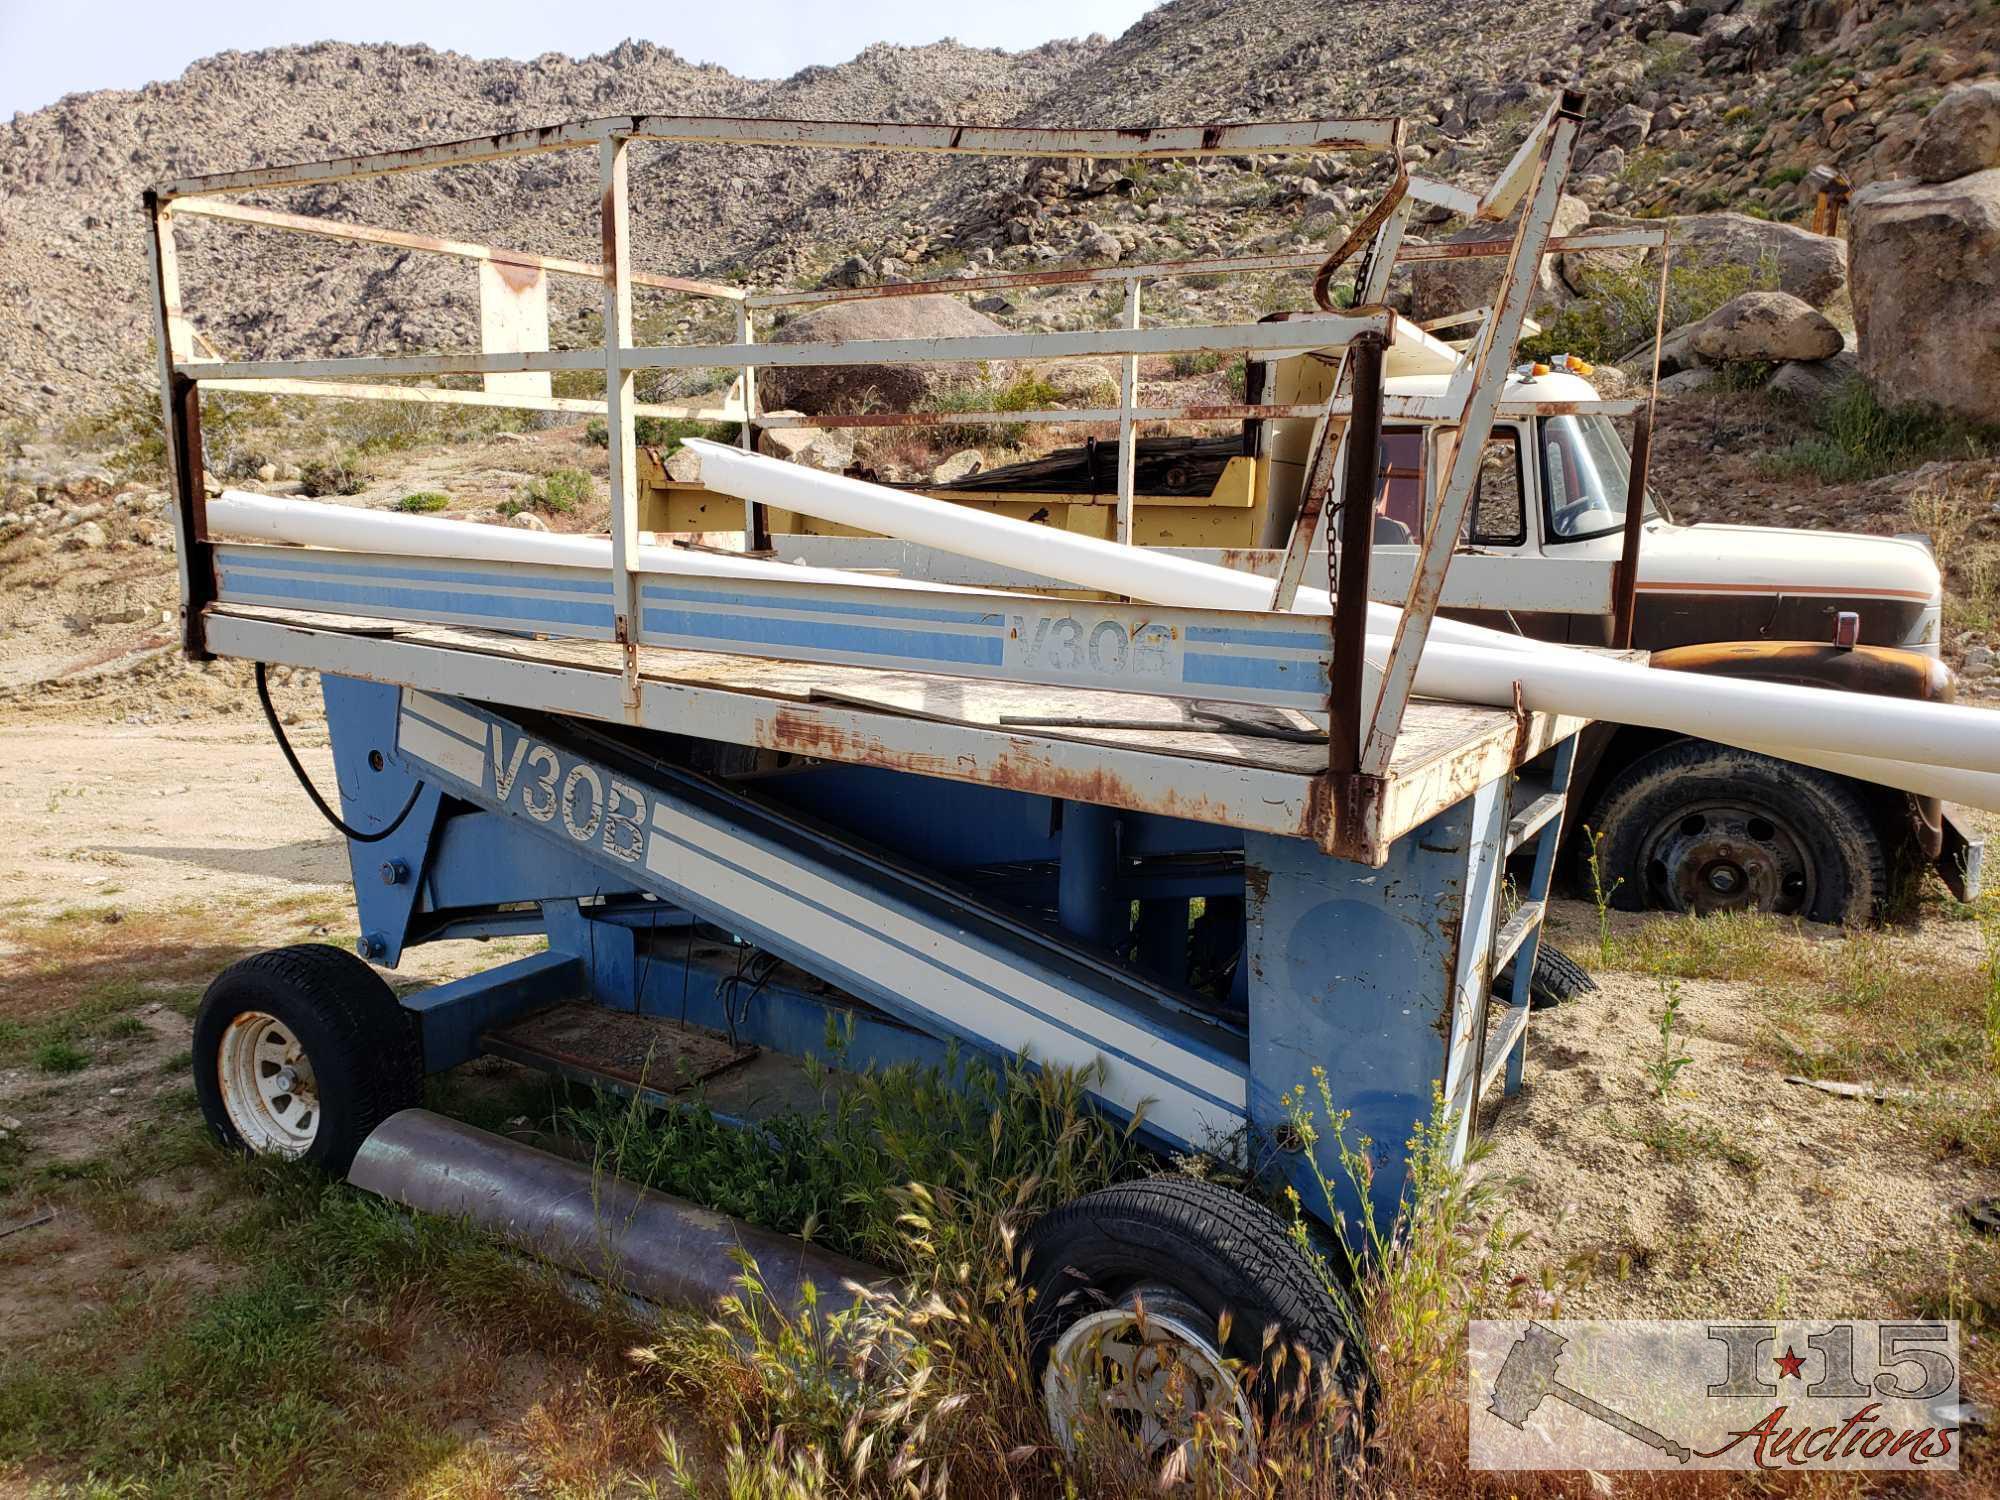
1537 171
1541 184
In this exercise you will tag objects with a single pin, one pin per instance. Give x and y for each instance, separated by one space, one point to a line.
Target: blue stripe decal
511 580
1217 635
893 1002
905 645
1296 677
823 606
420 601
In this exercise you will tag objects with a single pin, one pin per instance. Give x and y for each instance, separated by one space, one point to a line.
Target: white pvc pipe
1753 714
275 518
1500 672
1956 750
1088 562
1465 662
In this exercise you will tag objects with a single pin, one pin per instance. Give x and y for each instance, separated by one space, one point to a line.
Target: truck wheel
1150 1302
301 1052
1700 827
1557 979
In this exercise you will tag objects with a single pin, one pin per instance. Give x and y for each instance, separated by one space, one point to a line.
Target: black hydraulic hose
292 760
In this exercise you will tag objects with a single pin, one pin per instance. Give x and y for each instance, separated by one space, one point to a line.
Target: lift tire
1221 1252
1557 980
1810 835
363 1060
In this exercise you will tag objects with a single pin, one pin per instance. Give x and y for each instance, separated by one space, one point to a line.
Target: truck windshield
1585 470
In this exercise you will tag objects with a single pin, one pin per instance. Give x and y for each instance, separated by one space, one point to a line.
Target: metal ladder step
1532 819
1524 921
1500 1045
643 1055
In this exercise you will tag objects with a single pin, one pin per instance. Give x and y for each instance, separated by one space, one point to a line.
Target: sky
49 49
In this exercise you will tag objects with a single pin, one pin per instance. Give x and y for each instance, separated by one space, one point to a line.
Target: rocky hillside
1696 103
1707 104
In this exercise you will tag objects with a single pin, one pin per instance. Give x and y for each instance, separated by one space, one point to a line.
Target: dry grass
277 1336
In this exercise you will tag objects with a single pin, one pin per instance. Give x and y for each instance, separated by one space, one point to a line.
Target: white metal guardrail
515 363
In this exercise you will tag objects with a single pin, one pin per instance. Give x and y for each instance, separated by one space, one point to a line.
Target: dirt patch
1734 1191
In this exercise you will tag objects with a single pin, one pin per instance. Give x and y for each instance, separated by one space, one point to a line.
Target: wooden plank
371 234
1527 917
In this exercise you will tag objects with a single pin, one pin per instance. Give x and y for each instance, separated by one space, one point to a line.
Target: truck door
1498 576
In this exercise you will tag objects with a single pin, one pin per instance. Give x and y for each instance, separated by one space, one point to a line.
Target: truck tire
301 1052
1154 1266
1699 827
1557 979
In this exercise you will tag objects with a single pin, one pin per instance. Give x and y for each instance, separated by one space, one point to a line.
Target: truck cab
1670 820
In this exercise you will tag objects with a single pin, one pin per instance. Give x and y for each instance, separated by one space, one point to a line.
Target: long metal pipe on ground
663 1249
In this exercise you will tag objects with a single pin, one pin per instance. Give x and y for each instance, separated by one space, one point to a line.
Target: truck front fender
1886 671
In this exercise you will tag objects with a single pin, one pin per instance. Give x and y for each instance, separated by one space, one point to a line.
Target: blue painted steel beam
452 1016
1350 970
916 947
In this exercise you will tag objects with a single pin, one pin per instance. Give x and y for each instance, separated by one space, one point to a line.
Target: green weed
665 433
1600 893
969 1133
1678 1141
1855 437
1669 1061
331 476
1026 392
1616 319
58 1056
557 493
423 502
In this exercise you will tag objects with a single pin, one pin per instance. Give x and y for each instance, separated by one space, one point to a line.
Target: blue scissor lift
754 852
1208 854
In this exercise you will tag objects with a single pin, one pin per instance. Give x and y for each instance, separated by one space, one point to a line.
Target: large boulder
831 449
1961 135
1774 326
1627 128
848 388
1807 265
1439 287
1814 381
1926 284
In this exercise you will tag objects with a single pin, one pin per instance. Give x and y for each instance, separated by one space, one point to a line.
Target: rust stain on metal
517 275
1023 767
606 209
1355 807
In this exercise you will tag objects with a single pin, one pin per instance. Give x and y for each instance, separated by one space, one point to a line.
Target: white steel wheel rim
269 1089
1153 1365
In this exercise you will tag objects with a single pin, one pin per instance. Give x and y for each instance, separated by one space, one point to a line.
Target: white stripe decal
950 977
445 751
444 716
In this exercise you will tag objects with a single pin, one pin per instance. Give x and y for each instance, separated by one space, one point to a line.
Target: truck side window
1499 518
1399 493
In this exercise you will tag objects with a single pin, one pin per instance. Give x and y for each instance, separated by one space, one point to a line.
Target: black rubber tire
366 1055
1557 980
1829 816
1223 1251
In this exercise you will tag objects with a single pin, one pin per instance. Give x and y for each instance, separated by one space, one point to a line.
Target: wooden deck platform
926 724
